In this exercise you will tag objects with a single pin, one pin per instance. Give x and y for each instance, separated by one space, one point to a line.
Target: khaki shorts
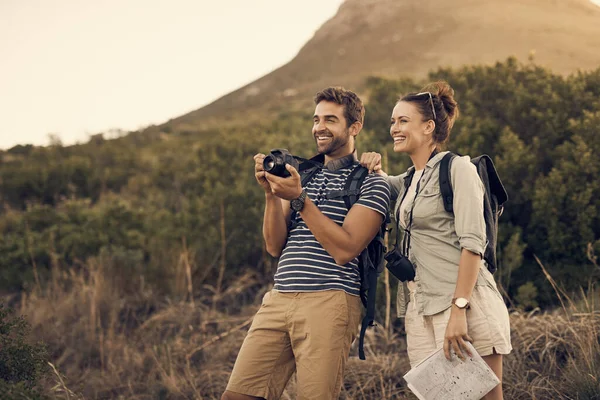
487 320
309 333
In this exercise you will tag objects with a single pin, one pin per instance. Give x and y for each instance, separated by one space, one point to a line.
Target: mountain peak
396 38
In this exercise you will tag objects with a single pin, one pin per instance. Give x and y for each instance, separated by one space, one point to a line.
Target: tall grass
106 343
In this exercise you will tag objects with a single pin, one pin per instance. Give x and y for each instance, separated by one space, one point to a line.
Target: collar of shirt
435 158
338 163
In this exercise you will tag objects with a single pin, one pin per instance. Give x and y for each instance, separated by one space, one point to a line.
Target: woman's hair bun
444 92
446 109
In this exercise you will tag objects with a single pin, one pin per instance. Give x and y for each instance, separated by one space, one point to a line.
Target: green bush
148 198
526 296
22 365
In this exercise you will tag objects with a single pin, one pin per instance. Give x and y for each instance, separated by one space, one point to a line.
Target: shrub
22 365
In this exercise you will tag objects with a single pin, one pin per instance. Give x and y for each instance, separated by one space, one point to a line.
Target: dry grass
555 356
110 346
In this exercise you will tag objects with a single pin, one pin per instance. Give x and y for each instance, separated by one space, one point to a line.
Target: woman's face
408 129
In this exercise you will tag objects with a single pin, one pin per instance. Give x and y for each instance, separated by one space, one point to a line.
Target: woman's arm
470 229
457 329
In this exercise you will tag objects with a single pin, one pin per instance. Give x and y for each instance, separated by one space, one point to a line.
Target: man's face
329 128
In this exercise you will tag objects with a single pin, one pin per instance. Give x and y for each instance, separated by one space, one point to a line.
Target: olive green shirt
437 236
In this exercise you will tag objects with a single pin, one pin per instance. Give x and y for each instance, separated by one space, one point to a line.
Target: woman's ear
429 127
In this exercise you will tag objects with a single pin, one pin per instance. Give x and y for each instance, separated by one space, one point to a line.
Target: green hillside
139 261
137 203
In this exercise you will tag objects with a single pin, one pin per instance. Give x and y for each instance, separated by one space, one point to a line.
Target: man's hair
353 106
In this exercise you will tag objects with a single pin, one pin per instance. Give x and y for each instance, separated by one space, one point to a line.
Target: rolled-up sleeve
468 205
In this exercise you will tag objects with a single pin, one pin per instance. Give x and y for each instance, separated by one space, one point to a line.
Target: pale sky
77 67
80 67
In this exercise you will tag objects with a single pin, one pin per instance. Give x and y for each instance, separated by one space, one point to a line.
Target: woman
453 298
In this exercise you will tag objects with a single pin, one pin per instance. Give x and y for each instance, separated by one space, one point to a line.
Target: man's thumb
292 170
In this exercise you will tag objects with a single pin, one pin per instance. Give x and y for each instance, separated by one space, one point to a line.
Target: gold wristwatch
461 303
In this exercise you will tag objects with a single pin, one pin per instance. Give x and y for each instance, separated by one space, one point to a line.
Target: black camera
275 162
399 265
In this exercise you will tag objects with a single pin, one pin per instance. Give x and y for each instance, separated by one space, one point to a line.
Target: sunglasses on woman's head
431 100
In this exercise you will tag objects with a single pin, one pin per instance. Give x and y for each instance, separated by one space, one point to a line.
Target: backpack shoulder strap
369 317
369 271
445 183
352 186
308 169
307 174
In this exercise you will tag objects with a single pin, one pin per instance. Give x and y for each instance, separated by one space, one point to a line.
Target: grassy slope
111 345
409 38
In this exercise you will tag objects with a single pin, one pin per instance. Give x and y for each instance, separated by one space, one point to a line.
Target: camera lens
275 162
268 163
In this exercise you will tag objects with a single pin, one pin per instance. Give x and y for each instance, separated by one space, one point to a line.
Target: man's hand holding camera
285 188
259 172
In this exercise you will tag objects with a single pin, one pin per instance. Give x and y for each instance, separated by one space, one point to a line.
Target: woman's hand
372 161
457 334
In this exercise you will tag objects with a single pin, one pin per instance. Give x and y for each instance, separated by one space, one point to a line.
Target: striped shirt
304 266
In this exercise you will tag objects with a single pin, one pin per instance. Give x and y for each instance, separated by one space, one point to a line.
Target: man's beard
335 144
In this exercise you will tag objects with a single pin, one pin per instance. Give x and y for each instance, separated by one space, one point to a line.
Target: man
310 318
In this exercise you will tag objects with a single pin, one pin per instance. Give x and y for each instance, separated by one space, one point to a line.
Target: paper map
437 378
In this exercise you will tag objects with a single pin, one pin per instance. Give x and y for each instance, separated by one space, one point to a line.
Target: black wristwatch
298 204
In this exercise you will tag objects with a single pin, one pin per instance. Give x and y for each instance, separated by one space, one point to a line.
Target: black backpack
370 260
493 200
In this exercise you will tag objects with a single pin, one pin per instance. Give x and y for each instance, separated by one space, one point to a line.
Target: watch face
461 302
296 204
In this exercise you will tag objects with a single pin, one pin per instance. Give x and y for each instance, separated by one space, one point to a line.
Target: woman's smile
399 139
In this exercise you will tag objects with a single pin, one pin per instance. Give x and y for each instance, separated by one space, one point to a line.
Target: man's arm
275 223
360 226
277 212
344 242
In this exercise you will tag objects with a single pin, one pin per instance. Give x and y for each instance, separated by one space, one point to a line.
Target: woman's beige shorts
487 320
